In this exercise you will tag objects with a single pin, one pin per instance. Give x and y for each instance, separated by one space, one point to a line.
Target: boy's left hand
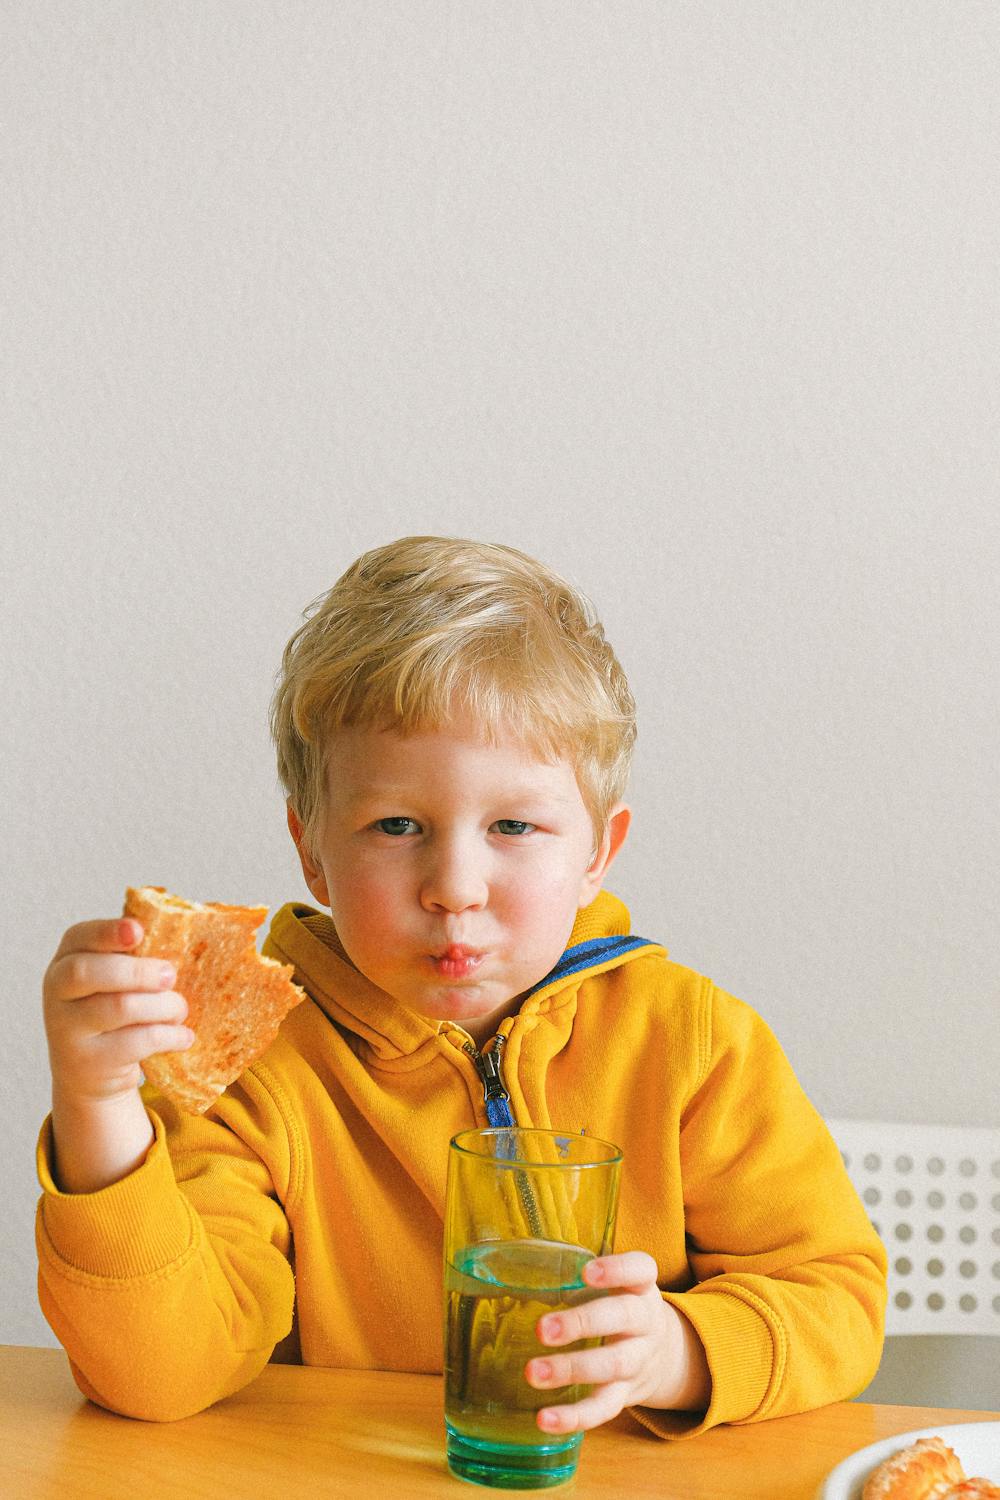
651 1355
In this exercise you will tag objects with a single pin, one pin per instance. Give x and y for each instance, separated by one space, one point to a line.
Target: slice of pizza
236 998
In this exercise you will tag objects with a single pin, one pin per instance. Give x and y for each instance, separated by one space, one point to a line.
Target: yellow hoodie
172 1288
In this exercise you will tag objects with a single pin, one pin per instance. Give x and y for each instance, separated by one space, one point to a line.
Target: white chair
933 1195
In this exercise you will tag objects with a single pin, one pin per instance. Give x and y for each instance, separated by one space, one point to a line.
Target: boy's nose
453 881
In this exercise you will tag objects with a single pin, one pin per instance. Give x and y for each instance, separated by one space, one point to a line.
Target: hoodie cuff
130 1228
743 1345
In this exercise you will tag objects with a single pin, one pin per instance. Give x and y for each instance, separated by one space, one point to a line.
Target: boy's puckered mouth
457 961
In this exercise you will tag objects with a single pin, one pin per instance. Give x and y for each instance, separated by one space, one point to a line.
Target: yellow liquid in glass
494 1295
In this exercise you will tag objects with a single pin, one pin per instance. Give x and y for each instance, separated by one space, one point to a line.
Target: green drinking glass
525 1211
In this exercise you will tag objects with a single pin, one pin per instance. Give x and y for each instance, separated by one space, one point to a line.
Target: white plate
976 1443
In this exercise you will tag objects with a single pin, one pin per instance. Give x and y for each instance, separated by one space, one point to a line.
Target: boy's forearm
98 1142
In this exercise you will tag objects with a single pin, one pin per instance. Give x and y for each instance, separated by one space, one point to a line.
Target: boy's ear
619 819
314 877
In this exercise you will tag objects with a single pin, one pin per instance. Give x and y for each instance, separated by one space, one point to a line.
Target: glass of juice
525 1211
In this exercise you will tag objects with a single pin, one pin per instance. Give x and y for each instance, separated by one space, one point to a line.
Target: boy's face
439 841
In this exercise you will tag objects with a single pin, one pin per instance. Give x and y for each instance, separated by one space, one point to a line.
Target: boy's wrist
96 1142
688 1382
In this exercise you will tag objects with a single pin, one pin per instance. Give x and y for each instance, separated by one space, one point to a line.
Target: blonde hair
427 627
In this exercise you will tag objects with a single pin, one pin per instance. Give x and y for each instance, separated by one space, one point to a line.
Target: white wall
696 302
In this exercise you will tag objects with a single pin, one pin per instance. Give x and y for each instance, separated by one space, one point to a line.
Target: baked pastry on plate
927 1470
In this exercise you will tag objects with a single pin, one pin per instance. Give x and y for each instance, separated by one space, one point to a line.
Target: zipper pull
489 1068
495 1095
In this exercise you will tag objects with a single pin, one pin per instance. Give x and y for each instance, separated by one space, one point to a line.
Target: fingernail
167 976
541 1369
594 1271
552 1328
548 1419
127 933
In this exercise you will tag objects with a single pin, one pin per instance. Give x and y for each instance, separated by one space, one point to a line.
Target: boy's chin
481 1022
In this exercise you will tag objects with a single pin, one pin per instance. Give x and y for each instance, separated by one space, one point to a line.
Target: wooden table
328 1433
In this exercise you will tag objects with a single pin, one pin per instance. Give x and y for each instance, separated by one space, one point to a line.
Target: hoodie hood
306 938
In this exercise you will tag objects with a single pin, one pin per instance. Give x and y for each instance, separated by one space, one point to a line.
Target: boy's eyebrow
391 792
373 794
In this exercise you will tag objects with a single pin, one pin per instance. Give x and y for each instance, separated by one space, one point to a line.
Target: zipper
495 1095
489 1066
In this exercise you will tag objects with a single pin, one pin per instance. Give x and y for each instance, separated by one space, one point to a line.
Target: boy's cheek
362 906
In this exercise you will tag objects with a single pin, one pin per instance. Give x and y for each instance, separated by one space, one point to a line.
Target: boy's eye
392 825
512 825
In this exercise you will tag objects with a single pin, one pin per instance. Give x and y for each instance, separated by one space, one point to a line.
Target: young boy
454 735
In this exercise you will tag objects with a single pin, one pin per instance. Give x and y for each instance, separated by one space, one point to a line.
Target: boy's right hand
106 1010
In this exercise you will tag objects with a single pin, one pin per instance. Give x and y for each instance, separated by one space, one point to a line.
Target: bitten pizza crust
236 998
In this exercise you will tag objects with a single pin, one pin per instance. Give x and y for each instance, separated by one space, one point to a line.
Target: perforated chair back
933 1195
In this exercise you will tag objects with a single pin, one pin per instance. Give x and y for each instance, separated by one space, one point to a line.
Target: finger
634 1269
597 1319
605 1365
133 1044
76 975
603 1404
106 935
98 1014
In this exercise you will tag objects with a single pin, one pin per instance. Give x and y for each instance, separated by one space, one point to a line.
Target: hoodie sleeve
790 1293
170 1288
